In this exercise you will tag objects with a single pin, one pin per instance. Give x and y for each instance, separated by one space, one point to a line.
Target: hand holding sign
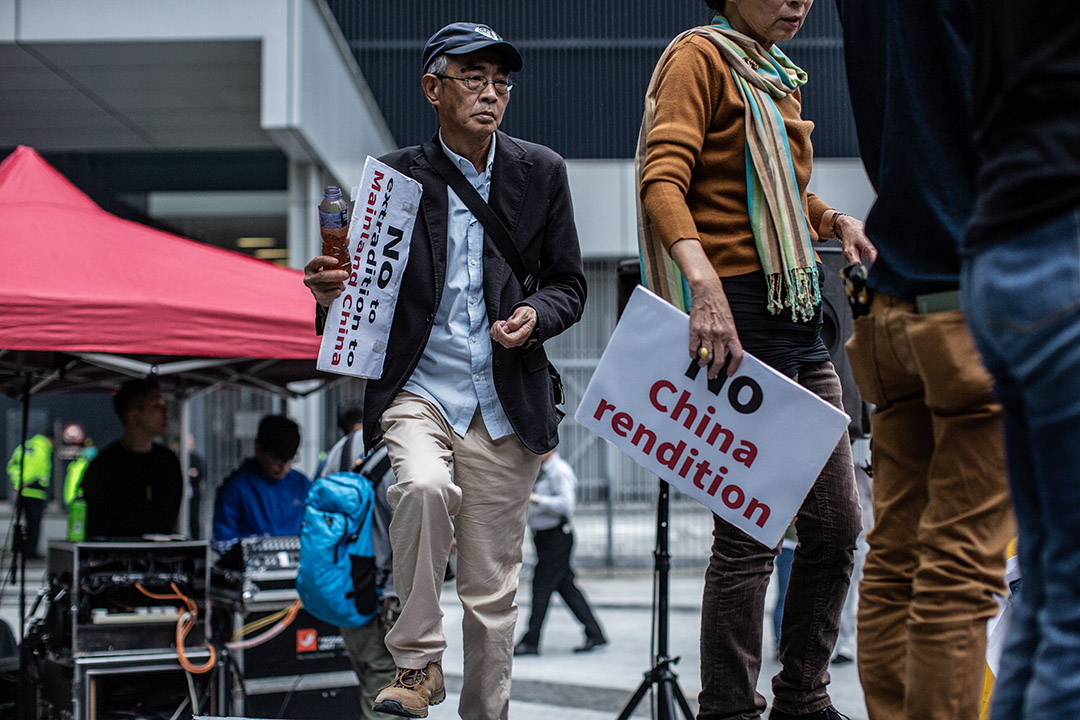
714 341
748 447
362 303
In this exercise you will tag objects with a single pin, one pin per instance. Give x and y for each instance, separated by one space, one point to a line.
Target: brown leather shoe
412 692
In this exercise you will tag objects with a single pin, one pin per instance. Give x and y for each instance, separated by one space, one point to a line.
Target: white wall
604 205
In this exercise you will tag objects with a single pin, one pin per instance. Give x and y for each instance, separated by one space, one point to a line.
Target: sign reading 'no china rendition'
748 447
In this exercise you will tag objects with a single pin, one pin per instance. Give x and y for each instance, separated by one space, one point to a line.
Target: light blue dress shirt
454 373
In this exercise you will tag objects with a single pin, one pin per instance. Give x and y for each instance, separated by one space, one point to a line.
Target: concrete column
305 192
183 523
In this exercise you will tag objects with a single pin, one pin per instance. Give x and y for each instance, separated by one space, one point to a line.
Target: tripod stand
24 703
667 684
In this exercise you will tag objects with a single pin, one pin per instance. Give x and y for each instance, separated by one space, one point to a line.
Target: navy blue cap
462 38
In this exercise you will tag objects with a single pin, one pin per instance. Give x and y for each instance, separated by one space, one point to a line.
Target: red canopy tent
87 298
85 295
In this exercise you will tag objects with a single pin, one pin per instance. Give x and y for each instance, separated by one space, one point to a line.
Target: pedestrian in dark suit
465 402
550 508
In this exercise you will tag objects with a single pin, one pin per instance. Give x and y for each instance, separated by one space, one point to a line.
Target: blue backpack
337 576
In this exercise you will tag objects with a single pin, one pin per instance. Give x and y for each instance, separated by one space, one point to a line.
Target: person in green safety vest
75 470
37 471
73 494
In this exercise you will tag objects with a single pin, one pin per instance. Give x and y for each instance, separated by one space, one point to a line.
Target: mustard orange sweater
694 179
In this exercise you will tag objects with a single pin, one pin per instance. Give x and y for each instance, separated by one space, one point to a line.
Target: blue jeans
1022 299
782 565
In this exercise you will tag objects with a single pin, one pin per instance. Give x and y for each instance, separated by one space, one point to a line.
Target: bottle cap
332 191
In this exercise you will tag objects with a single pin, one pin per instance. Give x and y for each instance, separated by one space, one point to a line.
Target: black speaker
628 275
836 328
836 325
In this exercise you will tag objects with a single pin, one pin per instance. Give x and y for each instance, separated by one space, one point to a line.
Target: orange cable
184 624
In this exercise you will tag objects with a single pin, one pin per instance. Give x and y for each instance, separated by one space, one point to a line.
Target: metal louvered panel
819 50
587 63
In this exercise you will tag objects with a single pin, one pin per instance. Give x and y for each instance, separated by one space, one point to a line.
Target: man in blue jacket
264 496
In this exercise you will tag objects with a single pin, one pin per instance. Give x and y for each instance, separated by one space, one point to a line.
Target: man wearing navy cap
466 403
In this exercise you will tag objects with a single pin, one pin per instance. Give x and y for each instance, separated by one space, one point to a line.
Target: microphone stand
661 675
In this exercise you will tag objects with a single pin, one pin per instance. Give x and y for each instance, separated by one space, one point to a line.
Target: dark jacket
908 78
129 494
531 195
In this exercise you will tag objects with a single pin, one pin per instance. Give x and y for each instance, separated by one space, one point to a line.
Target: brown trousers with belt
942 516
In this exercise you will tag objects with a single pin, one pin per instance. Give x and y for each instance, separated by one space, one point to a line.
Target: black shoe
524 648
828 713
591 644
842 658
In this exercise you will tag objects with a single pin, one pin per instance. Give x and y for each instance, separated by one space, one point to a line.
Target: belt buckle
937 302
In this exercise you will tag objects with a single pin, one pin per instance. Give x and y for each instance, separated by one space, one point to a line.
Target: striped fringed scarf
776 214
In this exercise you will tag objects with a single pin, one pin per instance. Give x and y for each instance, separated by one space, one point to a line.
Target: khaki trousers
942 516
476 490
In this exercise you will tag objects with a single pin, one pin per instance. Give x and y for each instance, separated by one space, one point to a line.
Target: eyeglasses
476 83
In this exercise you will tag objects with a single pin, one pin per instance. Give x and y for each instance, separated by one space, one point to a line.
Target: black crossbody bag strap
499 234
483 212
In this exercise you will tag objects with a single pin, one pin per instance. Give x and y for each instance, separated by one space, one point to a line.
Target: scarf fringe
801 292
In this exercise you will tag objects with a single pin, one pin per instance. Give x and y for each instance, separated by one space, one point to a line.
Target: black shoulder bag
499 234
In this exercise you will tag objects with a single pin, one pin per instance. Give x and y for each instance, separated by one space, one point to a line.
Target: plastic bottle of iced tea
334 226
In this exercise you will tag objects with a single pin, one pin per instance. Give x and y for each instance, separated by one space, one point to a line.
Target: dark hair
349 416
717 5
279 436
131 394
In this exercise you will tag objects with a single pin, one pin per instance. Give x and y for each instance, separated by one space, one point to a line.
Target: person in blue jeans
1021 292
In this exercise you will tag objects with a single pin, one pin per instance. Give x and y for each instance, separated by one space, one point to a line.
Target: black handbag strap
483 212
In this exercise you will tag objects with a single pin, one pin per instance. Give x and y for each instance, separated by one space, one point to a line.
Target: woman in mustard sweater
727 229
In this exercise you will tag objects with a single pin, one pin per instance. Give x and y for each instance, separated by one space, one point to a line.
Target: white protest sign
997 629
747 447
358 321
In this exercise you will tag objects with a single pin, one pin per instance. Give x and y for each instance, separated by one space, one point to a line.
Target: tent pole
184 524
19 546
18 560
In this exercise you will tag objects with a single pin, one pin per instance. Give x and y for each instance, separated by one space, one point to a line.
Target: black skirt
776 340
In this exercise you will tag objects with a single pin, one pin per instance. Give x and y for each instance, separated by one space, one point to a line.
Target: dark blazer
531 195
